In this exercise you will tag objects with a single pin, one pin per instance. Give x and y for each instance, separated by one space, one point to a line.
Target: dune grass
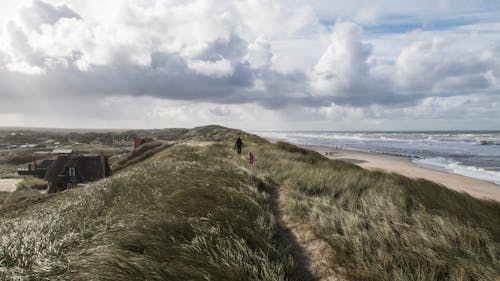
192 210
32 183
186 213
3 195
385 226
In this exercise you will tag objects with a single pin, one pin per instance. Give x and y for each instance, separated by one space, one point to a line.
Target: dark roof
44 164
88 168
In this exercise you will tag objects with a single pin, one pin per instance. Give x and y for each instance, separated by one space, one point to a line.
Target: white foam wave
450 166
488 138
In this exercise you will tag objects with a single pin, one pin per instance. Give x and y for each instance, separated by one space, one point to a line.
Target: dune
404 166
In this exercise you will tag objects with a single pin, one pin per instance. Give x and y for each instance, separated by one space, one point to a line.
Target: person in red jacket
251 159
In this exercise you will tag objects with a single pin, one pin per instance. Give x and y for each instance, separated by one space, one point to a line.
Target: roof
41 152
44 164
62 151
28 145
88 168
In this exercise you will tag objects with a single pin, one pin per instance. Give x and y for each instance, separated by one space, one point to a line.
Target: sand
404 166
9 185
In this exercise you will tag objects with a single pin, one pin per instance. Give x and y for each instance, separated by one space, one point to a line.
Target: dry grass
385 226
195 212
186 213
32 183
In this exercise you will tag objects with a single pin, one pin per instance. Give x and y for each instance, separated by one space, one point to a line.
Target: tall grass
193 211
385 226
186 213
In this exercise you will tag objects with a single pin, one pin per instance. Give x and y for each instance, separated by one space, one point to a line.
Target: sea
473 154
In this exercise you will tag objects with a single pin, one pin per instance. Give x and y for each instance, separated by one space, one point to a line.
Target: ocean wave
450 166
487 142
423 137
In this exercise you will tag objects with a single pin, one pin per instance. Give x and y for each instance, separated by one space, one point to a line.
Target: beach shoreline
404 166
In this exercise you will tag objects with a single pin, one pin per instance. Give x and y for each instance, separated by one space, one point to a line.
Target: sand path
404 166
311 253
9 185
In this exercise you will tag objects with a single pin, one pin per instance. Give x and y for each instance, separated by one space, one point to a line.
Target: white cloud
240 60
343 67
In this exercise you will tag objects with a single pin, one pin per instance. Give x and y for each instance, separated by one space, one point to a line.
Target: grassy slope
385 226
192 211
187 213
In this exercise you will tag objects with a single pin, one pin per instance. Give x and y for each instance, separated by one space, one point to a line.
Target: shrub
33 183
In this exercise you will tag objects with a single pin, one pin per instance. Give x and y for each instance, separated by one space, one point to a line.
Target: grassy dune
385 226
190 209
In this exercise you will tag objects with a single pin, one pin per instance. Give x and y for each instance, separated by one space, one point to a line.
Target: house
41 153
62 151
69 171
96 142
140 141
127 150
29 145
37 168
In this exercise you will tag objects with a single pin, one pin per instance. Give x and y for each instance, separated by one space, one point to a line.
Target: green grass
186 213
7 170
32 183
191 210
385 226
20 156
3 195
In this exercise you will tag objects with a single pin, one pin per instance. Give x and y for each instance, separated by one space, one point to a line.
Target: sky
251 64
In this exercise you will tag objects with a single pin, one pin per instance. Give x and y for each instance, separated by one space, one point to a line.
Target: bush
17 157
22 195
33 183
3 196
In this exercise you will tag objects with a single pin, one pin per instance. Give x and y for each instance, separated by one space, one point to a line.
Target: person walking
239 145
251 159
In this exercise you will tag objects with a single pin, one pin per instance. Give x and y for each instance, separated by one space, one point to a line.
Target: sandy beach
404 166
9 185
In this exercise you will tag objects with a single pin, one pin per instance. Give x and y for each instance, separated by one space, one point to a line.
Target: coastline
403 165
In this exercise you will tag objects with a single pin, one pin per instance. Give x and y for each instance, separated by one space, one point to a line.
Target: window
72 172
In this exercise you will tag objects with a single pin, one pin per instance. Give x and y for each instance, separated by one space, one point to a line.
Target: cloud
320 59
437 68
343 68
40 13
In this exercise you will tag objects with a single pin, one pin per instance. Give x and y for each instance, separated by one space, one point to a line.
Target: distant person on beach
251 159
238 145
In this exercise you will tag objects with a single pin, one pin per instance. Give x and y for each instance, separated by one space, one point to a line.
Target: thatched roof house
37 168
68 171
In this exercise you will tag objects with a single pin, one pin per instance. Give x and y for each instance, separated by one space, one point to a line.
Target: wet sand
404 166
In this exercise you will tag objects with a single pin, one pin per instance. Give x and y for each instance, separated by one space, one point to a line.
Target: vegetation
3 195
32 183
18 157
187 213
140 154
23 197
191 209
385 226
